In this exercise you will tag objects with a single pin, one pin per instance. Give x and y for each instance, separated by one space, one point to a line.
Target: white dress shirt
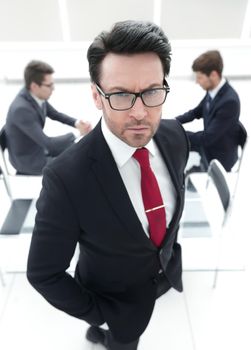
38 100
131 175
214 92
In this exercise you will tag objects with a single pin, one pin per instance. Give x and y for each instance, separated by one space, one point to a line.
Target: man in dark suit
220 110
92 195
29 147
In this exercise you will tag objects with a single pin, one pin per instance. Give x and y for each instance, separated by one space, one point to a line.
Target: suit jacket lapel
164 146
35 105
215 100
106 172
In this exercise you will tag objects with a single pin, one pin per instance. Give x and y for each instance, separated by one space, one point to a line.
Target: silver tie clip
155 208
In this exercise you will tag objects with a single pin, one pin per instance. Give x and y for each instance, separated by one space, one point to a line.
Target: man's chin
138 141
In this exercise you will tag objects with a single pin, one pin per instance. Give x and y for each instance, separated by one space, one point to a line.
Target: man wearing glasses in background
30 149
118 193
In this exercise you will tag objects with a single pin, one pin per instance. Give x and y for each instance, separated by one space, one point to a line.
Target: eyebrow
123 89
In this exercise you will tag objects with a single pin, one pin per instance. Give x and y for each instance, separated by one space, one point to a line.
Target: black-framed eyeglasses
50 86
122 101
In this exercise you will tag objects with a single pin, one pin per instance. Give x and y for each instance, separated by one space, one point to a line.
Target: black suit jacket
219 139
27 144
85 200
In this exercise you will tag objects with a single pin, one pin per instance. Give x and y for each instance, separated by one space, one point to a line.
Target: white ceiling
82 20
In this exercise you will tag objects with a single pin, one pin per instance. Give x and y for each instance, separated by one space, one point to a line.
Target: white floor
200 318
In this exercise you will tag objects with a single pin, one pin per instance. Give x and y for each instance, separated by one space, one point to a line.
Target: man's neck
37 99
213 92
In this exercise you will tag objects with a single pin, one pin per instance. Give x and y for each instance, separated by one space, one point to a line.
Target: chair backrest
17 186
4 150
3 165
3 143
242 138
3 146
217 174
242 135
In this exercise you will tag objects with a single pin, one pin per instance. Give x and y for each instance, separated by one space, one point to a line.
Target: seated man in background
29 148
220 110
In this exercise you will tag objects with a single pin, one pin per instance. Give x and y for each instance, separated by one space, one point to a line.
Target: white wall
72 94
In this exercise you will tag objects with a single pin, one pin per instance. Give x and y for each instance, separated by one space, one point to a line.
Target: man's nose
138 110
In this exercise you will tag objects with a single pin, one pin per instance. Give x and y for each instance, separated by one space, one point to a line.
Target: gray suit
29 148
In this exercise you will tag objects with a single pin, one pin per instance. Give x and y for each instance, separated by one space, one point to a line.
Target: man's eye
151 92
123 94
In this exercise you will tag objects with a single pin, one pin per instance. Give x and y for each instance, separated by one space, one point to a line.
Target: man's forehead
48 77
123 68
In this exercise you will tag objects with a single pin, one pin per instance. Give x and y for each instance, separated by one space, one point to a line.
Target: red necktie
152 199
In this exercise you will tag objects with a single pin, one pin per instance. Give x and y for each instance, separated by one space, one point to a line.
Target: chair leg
215 277
2 278
218 258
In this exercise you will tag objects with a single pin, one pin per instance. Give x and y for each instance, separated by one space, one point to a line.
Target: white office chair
21 190
242 144
242 141
217 176
212 247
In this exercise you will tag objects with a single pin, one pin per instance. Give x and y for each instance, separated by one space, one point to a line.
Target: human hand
83 127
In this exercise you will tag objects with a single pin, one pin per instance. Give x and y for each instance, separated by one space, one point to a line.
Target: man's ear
214 75
33 87
96 97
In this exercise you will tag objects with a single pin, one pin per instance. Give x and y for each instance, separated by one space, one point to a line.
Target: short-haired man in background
29 147
220 110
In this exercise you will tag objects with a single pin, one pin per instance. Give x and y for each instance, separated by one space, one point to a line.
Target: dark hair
207 62
129 37
35 72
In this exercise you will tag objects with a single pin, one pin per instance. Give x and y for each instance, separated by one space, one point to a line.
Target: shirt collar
38 100
121 151
214 91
